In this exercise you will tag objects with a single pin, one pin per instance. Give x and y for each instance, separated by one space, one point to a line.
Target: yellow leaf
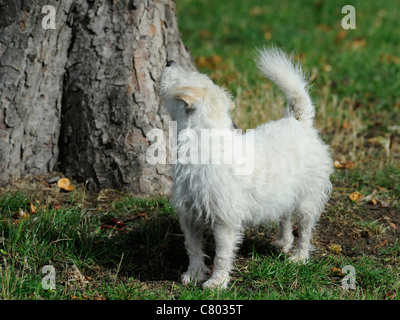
256 11
337 164
65 184
22 214
358 43
33 208
374 202
336 248
347 165
355 196
336 271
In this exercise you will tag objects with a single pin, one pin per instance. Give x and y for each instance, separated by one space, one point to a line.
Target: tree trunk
85 93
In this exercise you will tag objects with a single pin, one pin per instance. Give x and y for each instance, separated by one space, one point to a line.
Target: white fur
291 169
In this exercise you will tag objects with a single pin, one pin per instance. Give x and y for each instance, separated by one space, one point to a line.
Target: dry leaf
358 43
65 184
335 248
324 27
336 272
355 196
350 165
327 68
347 165
393 226
341 35
33 208
389 58
268 35
211 62
256 11
22 214
338 165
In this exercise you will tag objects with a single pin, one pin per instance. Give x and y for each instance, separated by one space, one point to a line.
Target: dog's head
193 99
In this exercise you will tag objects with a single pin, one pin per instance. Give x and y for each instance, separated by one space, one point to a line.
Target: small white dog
290 175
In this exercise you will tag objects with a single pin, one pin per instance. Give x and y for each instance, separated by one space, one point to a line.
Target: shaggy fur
290 176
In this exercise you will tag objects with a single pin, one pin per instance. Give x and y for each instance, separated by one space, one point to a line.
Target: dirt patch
358 229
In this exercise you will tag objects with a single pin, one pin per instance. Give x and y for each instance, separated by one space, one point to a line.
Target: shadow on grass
154 250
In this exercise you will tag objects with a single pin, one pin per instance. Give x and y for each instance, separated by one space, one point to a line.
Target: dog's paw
220 281
282 245
299 257
194 277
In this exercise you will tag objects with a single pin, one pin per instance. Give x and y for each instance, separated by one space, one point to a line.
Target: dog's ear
189 95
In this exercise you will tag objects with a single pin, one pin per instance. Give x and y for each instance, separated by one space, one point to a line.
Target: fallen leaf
65 184
22 215
393 226
358 43
211 62
345 125
347 165
338 165
327 68
256 11
388 58
33 208
267 35
336 272
379 245
341 35
355 196
335 248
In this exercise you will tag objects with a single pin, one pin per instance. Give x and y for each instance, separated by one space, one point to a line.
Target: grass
354 77
143 259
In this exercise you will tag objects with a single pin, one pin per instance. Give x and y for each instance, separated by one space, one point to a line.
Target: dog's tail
288 76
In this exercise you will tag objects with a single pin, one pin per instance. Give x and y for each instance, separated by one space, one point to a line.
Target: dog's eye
189 110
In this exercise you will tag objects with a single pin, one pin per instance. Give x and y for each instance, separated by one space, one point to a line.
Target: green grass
360 65
145 258
355 87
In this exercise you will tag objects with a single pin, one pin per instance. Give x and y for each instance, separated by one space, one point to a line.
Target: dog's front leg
226 238
197 270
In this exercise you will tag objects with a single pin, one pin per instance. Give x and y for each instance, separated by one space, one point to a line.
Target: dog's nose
170 63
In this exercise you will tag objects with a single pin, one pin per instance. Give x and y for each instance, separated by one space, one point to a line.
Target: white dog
290 174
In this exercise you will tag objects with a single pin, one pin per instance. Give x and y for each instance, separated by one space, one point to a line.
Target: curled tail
288 76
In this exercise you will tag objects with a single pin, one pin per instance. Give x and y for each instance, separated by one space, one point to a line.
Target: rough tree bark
84 94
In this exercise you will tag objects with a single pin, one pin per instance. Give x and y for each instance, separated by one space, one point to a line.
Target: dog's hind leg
226 238
197 269
308 214
285 237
